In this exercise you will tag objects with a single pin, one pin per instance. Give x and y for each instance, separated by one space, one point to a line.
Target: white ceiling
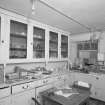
91 13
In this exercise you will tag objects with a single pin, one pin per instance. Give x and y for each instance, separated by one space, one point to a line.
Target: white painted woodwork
5 35
96 80
5 101
5 92
24 98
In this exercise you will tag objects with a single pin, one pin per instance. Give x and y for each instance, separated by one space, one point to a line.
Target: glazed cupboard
25 40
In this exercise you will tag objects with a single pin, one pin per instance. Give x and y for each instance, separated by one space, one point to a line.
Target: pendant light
33 6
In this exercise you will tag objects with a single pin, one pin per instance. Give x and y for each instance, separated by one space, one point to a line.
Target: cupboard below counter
95 79
22 94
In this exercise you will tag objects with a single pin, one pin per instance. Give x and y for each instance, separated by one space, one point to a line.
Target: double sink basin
27 78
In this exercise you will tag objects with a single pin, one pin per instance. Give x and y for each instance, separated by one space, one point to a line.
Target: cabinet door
53 45
38 42
100 93
5 101
64 46
24 98
18 40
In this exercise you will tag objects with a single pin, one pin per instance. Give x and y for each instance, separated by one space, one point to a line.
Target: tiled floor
96 102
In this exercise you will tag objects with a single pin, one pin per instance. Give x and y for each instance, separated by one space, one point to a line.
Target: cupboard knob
97 78
2 41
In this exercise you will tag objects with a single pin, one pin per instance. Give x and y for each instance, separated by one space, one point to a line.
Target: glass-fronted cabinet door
38 43
18 40
53 45
64 46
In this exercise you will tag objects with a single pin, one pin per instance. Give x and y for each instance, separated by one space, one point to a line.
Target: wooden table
50 98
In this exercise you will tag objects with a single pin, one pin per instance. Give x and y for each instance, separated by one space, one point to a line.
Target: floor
96 102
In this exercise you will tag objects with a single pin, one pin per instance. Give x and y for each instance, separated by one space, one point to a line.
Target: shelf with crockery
38 42
18 40
53 44
64 46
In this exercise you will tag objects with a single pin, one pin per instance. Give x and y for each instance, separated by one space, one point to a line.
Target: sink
16 80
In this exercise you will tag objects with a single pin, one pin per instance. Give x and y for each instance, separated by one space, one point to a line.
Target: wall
73 52
28 66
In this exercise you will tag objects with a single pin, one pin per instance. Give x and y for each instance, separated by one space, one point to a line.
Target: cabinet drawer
5 92
35 84
60 77
20 88
49 80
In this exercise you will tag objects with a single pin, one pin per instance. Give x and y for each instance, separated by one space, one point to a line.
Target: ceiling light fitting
96 35
33 6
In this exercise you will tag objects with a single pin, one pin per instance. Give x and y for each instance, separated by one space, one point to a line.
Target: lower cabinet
97 82
5 101
23 98
60 82
22 94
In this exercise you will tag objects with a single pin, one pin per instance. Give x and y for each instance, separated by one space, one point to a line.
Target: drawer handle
44 82
97 78
25 87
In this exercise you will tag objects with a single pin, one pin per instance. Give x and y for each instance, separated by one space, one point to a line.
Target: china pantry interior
52 45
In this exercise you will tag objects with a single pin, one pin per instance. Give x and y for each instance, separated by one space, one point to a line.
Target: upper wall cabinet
64 46
2 38
38 43
18 40
23 40
88 45
53 45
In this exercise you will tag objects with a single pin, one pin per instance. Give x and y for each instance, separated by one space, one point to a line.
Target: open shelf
53 41
18 35
88 45
19 49
42 50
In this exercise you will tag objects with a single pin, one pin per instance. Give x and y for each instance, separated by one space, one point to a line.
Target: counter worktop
9 84
97 72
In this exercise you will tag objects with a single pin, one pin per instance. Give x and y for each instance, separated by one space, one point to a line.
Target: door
24 98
